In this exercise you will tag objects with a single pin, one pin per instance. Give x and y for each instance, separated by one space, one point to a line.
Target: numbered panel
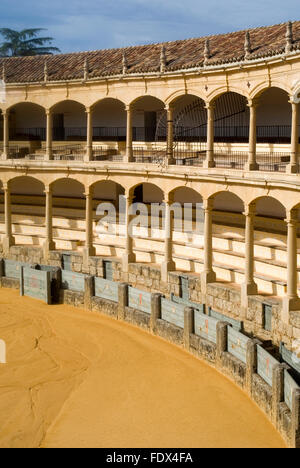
12 269
72 281
206 327
106 289
173 313
265 365
237 344
140 300
289 386
36 284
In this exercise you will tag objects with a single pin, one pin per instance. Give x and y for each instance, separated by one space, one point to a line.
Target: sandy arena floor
78 379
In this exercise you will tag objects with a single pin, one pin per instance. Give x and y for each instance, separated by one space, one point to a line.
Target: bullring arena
209 123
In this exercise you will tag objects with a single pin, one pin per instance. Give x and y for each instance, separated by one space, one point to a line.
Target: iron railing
154 156
69 153
273 162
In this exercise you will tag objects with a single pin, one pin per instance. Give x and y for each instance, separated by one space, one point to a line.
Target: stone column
210 161
129 256
89 249
208 275
291 301
168 263
49 243
129 148
49 129
249 287
5 134
252 164
293 166
89 135
170 136
8 239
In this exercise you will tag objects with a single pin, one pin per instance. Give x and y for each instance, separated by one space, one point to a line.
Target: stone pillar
295 422
89 249
155 311
210 161
293 166
277 391
5 134
8 239
222 341
129 148
89 291
249 287
49 129
168 263
188 326
170 136
49 243
252 164
89 133
123 300
208 275
251 364
291 301
129 256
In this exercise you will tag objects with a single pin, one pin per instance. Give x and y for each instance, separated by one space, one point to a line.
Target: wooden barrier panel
140 300
236 324
237 344
12 268
186 303
290 358
172 312
107 289
206 326
265 365
72 281
36 284
289 386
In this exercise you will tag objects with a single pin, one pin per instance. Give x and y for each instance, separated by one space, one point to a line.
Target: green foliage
25 43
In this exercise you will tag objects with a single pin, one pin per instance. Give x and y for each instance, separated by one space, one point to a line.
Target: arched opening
69 214
109 207
69 121
231 130
190 130
109 120
28 210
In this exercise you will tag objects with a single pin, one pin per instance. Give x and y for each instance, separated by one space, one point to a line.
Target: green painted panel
236 324
265 365
36 284
140 300
172 313
193 305
106 289
12 268
290 358
72 281
289 387
237 344
206 326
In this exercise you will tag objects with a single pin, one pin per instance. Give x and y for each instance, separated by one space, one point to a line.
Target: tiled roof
184 54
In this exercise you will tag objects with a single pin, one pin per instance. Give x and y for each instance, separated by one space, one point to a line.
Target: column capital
48 112
292 217
210 105
168 198
89 110
169 108
5 112
128 107
48 189
6 186
254 103
250 210
208 204
293 100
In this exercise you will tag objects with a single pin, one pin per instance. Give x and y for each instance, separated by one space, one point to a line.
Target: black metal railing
273 162
101 153
231 159
151 156
69 153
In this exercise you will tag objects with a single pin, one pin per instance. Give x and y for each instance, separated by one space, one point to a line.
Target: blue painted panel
289 386
237 344
265 365
172 312
12 269
206 326
236 324
140 300
291 359
106 289
36 284
72 281
186 303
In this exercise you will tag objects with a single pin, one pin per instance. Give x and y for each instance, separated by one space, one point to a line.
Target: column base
206 278
87 253
209 164
166 267
251 167
292 169
246 291
7 243
126 260
289 305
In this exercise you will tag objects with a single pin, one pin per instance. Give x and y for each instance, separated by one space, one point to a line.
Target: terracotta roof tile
225 48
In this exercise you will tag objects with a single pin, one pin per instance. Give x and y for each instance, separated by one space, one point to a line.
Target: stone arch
109 119
227 201
26 185
106 190
269 207
258 90
184 194
218 92
172 98
27 121
146 192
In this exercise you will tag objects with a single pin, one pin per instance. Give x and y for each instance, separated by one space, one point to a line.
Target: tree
24 43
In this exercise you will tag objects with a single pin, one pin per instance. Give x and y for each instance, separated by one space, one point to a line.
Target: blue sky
95 24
